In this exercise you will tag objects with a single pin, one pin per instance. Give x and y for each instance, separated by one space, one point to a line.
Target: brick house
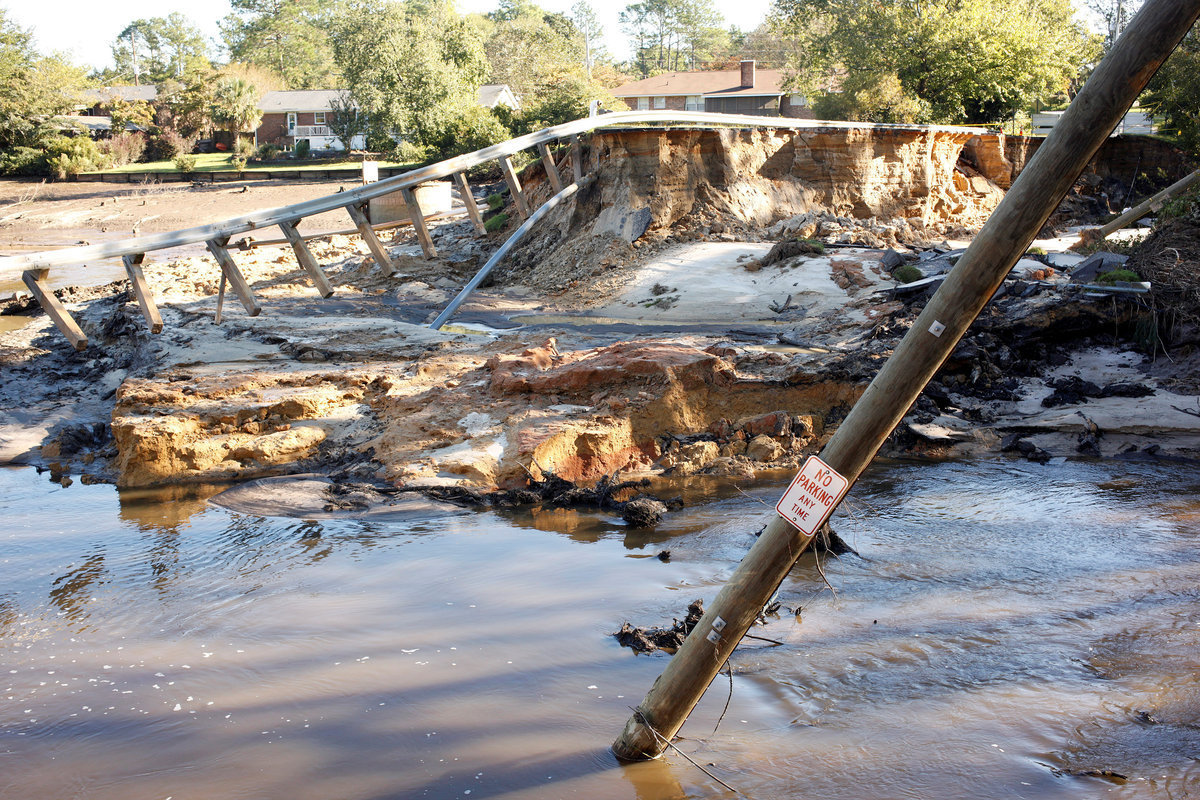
288 117
746 90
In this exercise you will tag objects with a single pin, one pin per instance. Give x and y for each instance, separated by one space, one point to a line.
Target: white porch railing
303 131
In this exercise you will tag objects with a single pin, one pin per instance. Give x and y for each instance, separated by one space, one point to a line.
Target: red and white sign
811 498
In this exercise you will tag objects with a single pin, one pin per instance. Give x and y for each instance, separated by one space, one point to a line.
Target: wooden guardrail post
355 210
418 221
1110 91
468 199
514 187
305 257
141 291
234 275
550 167
576 156
61 318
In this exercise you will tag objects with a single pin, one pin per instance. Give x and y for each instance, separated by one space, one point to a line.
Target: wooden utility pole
1109 93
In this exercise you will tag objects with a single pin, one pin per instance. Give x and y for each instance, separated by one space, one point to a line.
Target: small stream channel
1010 630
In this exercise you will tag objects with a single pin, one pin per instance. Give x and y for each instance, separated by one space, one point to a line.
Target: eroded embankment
487 419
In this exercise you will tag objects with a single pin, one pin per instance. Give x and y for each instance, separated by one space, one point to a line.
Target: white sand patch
705 282
476 423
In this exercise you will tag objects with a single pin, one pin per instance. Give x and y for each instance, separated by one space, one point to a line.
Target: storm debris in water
647 640
640 511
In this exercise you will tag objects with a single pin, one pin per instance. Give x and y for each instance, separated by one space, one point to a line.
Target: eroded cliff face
492 417
650 179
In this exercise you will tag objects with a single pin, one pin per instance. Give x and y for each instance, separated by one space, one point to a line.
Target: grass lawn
220 162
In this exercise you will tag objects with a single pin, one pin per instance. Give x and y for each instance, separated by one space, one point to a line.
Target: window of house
643 104
695 103
291 121
318 118
660 102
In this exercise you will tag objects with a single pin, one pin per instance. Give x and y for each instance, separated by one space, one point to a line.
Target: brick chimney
748 74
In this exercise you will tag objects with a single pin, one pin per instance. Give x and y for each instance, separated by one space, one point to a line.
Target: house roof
720 83
307 100
127 93
493 94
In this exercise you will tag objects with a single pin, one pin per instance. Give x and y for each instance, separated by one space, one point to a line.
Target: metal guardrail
35 266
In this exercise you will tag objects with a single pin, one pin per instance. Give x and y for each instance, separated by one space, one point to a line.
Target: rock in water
643 512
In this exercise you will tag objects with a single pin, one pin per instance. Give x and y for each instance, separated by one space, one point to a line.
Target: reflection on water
1011 630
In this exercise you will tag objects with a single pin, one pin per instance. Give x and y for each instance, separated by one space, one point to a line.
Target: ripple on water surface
1008 630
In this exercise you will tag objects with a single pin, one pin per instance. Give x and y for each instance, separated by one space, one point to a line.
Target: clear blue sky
85 29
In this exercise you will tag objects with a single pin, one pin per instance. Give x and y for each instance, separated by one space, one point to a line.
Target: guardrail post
306 258
576 158
61 318
141 290
514 187
355 210
550 167
234 275
468 199
418 221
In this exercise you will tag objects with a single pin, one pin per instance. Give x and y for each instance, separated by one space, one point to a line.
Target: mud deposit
1010 630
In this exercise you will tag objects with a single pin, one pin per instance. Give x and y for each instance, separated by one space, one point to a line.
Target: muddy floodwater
1010 630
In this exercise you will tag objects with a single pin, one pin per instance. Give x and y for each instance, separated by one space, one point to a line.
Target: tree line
408 70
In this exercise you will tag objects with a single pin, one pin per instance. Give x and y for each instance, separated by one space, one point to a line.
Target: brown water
1008 624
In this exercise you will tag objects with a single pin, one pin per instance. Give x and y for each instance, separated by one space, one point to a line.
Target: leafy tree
33 89
235 106
289 37
150 51
471 128
591 31
1114 15
1174 93
526 47
185 107
344 121
123 113
410 67
972 61
562 99
672 35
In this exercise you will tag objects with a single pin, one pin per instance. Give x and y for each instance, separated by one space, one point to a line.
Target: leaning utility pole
1109 93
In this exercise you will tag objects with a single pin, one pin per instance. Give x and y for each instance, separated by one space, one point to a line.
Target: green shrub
185 163
124 148
238 162
302 148
168 143
1118 276
407 152
907 273
1035 251
1184 206
474 128
495 201
495 223
69 156
811 246
243 148
22 161
267 152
